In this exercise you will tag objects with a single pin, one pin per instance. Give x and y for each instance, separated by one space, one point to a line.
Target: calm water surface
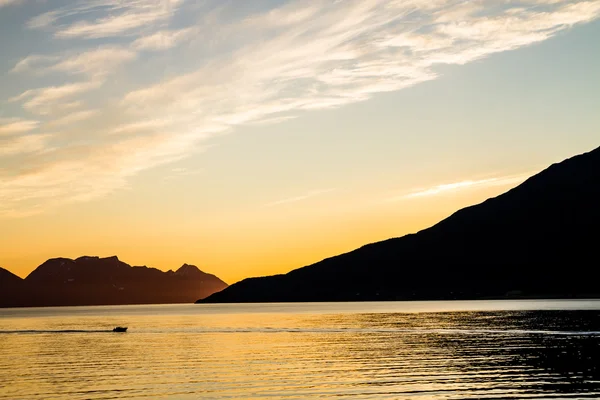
419 350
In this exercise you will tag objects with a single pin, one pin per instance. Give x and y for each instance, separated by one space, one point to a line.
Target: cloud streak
301 197
4 3
46 100
11 146
97 62
163 40
264 67
93 19
74 117
453 187
16 126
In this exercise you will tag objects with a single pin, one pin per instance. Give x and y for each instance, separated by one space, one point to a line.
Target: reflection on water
362 350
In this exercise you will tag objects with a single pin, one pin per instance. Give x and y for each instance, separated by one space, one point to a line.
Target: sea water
417 350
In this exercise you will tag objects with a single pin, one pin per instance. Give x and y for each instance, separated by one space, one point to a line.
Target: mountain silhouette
103 281
7 278
539 239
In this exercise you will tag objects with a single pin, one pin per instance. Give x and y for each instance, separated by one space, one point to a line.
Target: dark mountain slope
10 288
104 281
8 278
539 239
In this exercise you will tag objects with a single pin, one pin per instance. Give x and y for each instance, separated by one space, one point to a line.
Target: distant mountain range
540 239
103 281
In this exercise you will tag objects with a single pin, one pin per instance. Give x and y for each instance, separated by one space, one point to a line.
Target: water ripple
519 354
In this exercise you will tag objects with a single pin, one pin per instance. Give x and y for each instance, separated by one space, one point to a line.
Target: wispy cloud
273 120
92 19
453 187
150 125
100 61
15 145
32 62
47 180
96 63
9 2
181 172
12 126
321 55
73 117
163 40
305 196
46 100
263 67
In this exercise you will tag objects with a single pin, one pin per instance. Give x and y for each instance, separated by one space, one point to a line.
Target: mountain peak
189 270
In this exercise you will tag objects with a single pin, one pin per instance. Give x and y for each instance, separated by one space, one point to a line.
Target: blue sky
251 108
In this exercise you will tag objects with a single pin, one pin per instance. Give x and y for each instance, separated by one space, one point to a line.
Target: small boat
120 329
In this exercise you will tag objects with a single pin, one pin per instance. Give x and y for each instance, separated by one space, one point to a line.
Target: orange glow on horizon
272 241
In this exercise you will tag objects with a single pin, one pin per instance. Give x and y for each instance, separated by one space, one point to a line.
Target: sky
252 138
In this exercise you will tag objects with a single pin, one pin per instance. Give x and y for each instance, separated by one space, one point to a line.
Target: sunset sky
254 137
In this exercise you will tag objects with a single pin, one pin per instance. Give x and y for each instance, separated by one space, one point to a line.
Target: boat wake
34 331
